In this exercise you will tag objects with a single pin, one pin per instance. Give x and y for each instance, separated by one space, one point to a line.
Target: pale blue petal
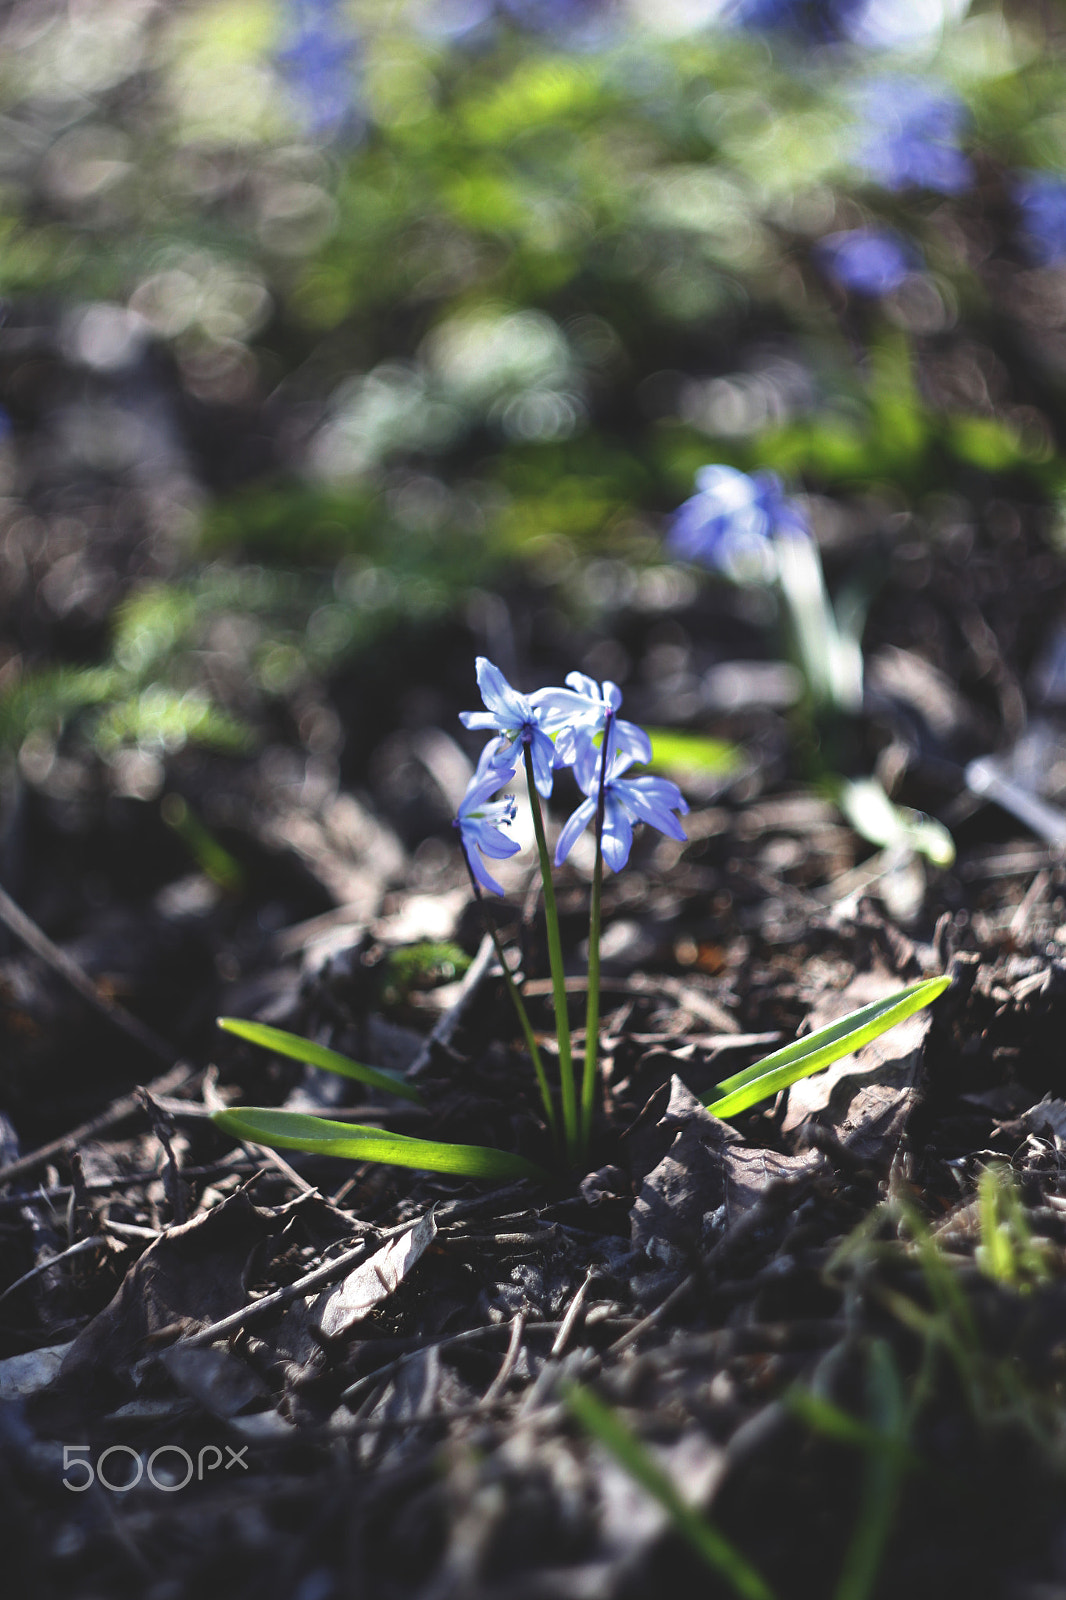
653 800
498 756
631 740
488 839
555 708
587 761
479 719
480 871
512 708
543 752
617 835
573 828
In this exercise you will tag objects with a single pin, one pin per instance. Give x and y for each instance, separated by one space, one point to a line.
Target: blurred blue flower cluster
874 23
913 133
868 261
731 522
576 726
319 64
1041 200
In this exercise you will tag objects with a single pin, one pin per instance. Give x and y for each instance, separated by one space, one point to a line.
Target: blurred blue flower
480 819
875 23
516 720
319 63
586 707
730 523
626 800
1041 199
869 261
913 136
815 20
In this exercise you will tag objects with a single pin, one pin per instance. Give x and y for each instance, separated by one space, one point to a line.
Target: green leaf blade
317 1055
806 1056
720 1554
292 1130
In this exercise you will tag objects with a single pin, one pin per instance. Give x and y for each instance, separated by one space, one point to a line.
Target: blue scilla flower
586 707
730 523
868 261
1041 199
625 801
319 62
516 719
913 136
480 819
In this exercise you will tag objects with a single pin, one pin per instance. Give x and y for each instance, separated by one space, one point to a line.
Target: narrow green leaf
882 1478
809 1055
607 1426
292 1130
317 1055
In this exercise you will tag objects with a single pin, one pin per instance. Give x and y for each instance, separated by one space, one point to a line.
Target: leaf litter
395 1350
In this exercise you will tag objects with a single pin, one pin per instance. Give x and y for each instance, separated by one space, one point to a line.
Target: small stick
119 1109
35 939
94 1242
750 1222
281 1297
163 1128
468 1336
499 1383
573 1311
449 1020
127 1180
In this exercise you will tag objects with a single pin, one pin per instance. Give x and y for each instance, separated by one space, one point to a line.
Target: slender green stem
520 1008
592 1008
568 1094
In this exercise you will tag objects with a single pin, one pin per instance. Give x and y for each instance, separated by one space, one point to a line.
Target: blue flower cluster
878 24
319 64
913 133
1041 199
560 728
731 523
868 261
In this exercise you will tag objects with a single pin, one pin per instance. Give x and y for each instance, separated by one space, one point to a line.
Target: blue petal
573 828
512 708
479 719
653 800
480 871
630 740
543 753
617 835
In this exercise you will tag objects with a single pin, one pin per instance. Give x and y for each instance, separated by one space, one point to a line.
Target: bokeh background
342 340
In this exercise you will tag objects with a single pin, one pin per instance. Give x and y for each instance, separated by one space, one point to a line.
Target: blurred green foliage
493 298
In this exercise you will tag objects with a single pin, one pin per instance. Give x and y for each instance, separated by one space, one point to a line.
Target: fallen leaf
373 1280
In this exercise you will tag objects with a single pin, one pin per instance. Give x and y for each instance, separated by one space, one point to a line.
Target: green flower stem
520 1008
592 1006
568 1093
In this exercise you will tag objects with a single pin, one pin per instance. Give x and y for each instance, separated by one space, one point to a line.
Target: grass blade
317 1055
882 1479
806 1056
292 1130
607 1426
